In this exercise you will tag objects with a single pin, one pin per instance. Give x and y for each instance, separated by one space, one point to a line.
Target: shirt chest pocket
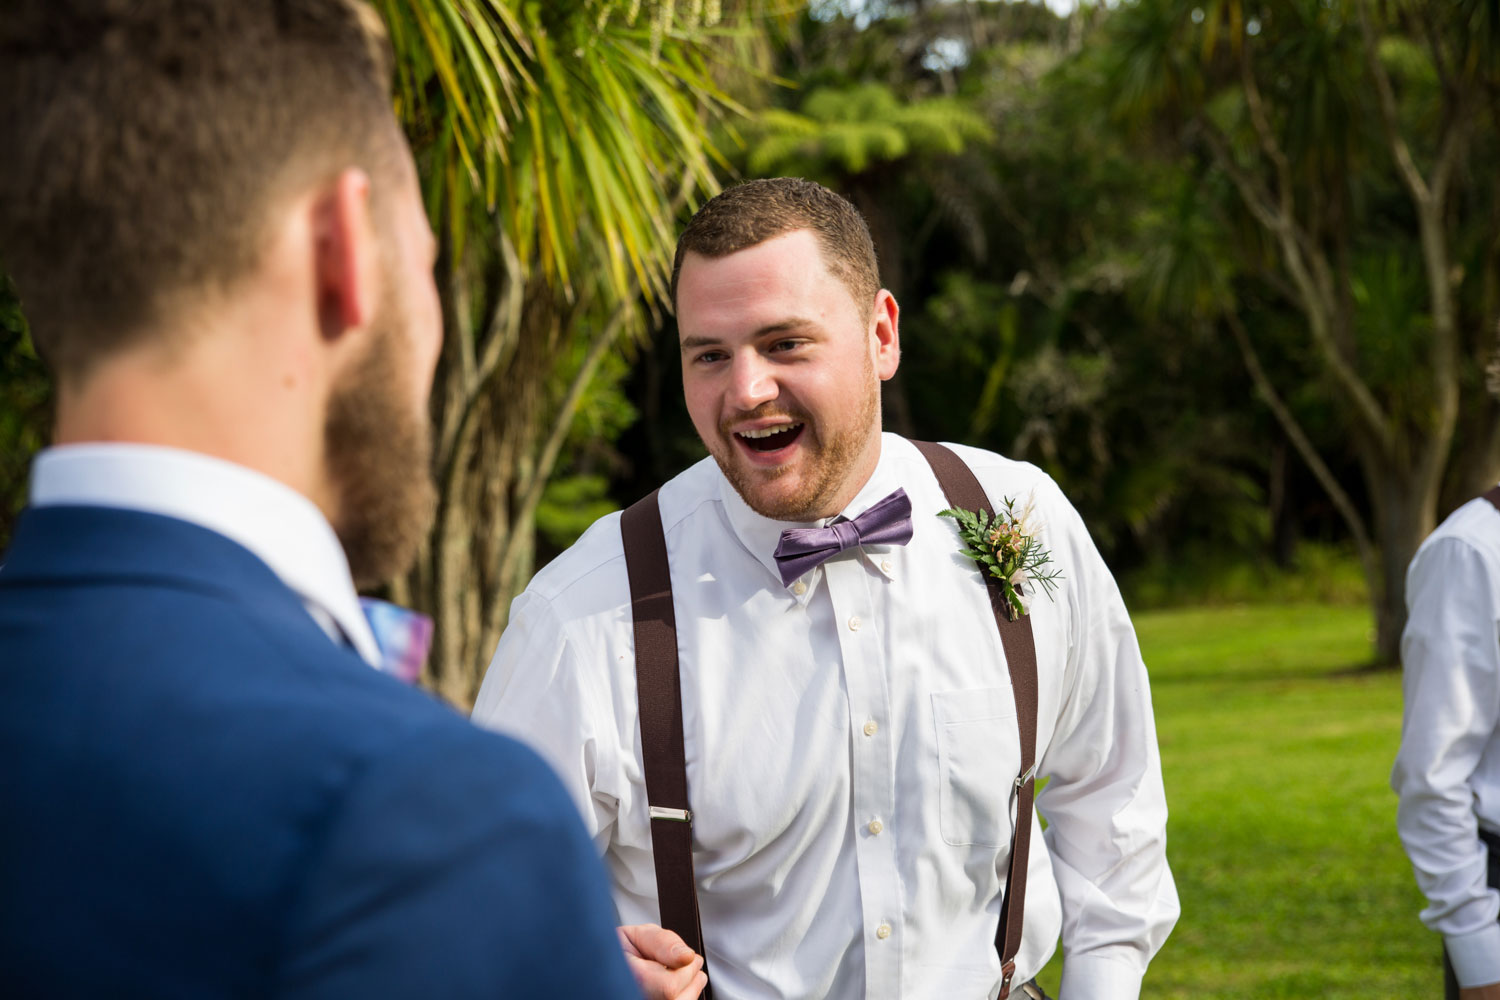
979 754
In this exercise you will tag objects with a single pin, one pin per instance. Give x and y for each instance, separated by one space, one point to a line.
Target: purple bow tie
403 636
886 523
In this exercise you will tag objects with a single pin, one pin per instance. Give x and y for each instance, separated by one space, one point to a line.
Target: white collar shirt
1447 773
280 526
851 743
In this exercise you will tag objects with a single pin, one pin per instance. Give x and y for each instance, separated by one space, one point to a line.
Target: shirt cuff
1096 977
1475 957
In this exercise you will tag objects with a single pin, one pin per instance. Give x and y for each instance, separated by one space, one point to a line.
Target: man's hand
1490 992
664 967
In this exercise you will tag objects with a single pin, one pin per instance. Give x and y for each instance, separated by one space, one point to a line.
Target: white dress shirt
283 528
851 743
1447 773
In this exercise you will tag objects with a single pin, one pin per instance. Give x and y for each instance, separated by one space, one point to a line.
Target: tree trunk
1405 513
1279 507
506 405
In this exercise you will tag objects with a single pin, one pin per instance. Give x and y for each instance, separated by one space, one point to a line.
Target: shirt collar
760 534
283 528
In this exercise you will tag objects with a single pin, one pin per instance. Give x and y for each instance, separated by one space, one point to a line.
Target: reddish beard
379 458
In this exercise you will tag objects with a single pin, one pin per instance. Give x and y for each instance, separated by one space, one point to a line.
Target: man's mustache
763 412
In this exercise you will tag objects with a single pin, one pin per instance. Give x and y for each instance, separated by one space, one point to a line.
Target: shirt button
854 624
799 588
886 566
883 931
871 728
875 827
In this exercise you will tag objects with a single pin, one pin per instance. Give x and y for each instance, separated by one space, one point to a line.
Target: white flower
1025 520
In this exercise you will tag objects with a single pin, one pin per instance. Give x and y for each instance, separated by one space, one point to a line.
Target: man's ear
345 255
885 334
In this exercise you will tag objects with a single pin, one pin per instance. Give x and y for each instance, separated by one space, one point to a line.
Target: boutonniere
1007 548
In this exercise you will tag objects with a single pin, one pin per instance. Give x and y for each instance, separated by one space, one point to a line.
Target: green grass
1276 750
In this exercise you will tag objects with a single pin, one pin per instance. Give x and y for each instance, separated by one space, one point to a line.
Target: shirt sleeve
1450 653
533 691
455 867
1104 801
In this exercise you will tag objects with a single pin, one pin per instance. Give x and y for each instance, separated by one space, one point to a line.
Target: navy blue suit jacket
201 795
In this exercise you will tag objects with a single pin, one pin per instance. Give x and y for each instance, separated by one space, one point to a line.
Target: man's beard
379 459
832 462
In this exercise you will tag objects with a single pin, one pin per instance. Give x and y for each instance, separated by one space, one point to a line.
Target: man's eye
786 345
709 357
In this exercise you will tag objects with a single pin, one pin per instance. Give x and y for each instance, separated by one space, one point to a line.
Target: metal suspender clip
1025 776
679 815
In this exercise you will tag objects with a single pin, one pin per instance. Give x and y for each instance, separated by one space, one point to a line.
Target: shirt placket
863 657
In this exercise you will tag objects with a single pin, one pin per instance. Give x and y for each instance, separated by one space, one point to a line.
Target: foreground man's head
786 336
215 227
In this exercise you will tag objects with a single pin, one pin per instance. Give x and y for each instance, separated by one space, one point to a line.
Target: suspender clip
1025 776
677 815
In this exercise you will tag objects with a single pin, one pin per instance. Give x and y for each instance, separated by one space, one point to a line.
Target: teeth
767 432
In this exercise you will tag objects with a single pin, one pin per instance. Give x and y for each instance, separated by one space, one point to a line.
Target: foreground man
208 791
849 729
1447 773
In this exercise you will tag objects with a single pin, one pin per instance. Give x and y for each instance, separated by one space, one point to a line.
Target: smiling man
814 751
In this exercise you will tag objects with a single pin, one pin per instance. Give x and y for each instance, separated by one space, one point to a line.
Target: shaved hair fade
144 143
751 213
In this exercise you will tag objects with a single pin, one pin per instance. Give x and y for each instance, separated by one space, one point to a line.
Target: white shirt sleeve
533 692
1451 661
1105 803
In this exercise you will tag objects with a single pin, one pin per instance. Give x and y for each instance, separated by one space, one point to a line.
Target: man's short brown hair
143 143
756 211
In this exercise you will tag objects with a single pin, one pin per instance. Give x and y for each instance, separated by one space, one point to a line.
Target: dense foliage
558 143
1229 271
25 401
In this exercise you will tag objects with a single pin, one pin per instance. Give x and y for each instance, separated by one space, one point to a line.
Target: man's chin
780 492
782 496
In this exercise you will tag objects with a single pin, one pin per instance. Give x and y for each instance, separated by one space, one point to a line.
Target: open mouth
770 438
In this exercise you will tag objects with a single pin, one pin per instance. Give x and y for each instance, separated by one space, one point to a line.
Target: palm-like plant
569 123
558 143
862 140
25 406
842 131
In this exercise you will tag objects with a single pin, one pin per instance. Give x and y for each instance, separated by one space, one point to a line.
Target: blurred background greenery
1228 269
1230 272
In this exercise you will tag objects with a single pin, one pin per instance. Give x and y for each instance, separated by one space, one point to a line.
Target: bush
1320 573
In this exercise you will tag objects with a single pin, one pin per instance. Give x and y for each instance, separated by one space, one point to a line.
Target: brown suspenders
659 691
963 490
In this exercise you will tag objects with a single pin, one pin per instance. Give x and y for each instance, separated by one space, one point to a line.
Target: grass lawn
1276 749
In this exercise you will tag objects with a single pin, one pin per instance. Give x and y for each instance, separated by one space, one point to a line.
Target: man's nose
753 383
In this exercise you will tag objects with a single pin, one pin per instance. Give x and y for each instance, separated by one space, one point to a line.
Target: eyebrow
795 323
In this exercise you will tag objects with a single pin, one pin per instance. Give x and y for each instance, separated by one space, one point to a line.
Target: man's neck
859 475
195 405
